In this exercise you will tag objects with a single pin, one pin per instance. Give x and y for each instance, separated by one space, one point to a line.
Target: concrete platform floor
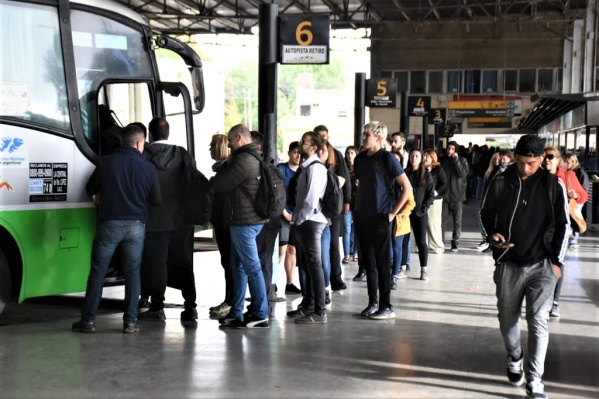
445 342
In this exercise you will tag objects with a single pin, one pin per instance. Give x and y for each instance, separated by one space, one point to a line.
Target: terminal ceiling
239 16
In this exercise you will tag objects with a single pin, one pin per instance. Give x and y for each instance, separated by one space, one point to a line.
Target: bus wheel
5 282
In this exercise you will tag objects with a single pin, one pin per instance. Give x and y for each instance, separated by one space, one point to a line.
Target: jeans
130 234
310 235
537 283
374 235
397 243
326 260
347 229
168 260
246 270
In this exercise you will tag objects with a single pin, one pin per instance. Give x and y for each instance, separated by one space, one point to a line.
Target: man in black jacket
456 170
524 216
126 183
337 283
241 181
168 248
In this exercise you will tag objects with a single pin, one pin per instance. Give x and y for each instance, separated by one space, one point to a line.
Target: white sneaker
482 246
402 274
535 389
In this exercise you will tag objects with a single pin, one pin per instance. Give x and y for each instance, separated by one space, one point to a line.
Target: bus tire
5 282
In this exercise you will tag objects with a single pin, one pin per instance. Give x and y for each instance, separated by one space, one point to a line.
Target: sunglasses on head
549 156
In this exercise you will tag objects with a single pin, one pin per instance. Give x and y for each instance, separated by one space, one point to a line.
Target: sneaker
482 246
423 276
299 312
130 328
370 309
327 297
394 283
454 248
554 311
152 315
383 314
360 276
229 320
345 260
254 322
84 326
189 314
220 310
535 389
437 251
402 275
573 246
312 319
291 289
144 303
515 374
274 298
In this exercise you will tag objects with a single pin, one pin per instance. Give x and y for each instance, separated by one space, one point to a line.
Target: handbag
575 213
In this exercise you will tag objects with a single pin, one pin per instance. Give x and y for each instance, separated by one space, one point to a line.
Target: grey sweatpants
536 283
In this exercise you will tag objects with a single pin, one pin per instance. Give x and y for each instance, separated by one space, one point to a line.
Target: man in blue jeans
240 180
125 184
524 217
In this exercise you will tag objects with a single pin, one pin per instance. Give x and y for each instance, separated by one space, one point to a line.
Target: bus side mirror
197 80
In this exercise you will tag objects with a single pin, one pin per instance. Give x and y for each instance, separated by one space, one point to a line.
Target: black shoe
84 326
130 328
299 312
339 287
383 314
360 276
370 309
454 248
189 314
229 320
291 289
254 322
152 315
327 297
144 303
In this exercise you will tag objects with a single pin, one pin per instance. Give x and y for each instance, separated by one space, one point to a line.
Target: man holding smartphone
524 216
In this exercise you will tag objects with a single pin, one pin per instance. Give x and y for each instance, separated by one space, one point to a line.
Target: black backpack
332 202
271 195
195 197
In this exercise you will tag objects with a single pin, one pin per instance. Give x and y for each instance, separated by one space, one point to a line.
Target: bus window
32 79
106 50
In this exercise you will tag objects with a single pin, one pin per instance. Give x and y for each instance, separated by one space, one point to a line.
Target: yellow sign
489 120
477 105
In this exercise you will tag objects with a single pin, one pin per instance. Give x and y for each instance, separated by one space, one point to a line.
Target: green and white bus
68 71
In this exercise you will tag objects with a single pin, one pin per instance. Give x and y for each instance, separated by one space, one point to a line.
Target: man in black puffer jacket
524 216
241 180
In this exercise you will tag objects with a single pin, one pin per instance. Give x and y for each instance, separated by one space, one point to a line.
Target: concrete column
589 47
577 56
567 68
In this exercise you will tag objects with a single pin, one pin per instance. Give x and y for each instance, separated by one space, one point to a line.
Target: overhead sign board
469 109
304 39
381 93
418 105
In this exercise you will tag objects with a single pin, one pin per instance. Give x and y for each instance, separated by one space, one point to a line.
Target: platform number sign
304 39
437 116
381 93
418 105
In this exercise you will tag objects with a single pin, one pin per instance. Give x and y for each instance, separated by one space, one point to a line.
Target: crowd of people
389 194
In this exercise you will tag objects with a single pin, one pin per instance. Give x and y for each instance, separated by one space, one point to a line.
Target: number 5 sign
304 39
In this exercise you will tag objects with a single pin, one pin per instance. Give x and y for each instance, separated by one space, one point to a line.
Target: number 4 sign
304 39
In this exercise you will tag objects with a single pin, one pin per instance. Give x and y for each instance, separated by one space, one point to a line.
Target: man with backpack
241 181
309 222
524 216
